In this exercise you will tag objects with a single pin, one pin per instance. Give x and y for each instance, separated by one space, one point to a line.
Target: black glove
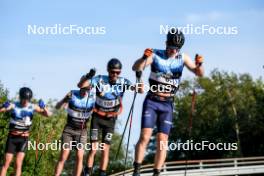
68 97
138 74
91 73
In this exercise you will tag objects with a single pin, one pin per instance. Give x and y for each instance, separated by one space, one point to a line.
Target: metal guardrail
212 167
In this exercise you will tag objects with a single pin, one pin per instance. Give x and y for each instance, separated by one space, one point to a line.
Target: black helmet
175 38
25 93
114 64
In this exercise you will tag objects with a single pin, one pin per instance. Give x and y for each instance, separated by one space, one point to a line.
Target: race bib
107 103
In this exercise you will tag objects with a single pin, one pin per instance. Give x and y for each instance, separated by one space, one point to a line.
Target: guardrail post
235 163
201 165
164 167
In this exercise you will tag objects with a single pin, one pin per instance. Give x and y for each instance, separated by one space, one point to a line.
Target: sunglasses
172 47
114 72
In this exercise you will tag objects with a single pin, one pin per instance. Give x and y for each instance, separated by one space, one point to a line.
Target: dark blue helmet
175 39
114 63
25 93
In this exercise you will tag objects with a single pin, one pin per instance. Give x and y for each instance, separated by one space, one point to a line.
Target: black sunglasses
114 72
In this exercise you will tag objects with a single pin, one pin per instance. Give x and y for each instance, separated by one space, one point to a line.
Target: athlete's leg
63 157
105 157
10 150
91 155
149 117
65 151
142 144
21 145
94 135
80 150
164 123
108 126
79 162
8 160
19 161
160 157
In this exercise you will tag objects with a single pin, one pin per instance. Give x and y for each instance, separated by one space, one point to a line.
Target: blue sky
52 65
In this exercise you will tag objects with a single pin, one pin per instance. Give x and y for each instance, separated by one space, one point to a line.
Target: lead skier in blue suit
166 71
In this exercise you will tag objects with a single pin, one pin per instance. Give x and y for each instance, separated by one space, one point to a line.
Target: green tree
3 123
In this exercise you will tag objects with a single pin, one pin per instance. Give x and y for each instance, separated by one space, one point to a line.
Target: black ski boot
87 171
102 173
136 169
156 172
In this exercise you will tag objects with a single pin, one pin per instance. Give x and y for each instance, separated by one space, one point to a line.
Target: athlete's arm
6 107
42 109
144 61
196 67
64 101
84 79
83 82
